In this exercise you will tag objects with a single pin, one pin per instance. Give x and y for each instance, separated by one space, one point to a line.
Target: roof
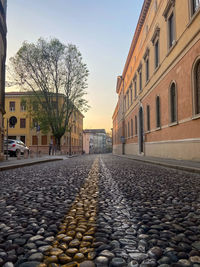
140 23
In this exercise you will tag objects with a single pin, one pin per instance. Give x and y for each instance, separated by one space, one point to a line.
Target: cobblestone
114 212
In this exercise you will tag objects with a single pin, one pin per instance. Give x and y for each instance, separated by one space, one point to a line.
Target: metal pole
7 140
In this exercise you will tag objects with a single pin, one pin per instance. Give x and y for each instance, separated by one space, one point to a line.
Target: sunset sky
101 29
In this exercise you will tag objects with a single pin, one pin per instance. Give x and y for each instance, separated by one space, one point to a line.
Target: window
35 106
44 140
131 127
147 69
12 105
173 105
22 123
135 88
23 105
157 111
135 125
131 94
155 42
171 30
140 78
195 5
196 77
34 140
156 47
146 59
34 123
169 15
148 118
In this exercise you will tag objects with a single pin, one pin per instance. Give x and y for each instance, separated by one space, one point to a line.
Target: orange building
158 109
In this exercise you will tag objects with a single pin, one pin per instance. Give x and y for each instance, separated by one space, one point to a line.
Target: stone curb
168 165
14 166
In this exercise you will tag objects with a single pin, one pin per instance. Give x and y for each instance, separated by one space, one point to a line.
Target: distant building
3 46
25 130
94 141
158 109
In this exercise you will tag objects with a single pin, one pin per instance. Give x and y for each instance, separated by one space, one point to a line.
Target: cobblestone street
99 211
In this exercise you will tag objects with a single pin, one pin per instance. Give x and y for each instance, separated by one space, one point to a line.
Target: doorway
141 131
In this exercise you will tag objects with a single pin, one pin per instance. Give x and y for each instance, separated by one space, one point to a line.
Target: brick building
158 109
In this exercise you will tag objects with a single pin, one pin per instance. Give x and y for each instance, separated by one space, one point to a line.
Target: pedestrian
50 146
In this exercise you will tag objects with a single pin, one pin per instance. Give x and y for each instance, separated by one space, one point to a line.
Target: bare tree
57 76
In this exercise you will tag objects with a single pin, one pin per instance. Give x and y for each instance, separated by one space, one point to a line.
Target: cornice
140 23
155 34
170 3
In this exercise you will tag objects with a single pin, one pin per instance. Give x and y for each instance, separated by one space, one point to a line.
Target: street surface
99 210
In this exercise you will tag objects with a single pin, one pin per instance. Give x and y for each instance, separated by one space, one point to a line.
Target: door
141 131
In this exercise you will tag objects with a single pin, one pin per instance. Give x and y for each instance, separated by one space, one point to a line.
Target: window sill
173 123
147 82
193 17
156 69
158 128
196 116
171 48
147 132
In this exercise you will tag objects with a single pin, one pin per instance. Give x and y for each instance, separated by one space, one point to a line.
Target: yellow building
25 130
158 109
3 31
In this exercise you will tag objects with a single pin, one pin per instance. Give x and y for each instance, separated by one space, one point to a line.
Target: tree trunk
58 146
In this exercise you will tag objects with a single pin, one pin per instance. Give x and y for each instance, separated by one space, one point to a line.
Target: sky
101 29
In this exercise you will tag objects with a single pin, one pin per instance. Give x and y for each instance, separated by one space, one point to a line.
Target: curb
177 167
15 166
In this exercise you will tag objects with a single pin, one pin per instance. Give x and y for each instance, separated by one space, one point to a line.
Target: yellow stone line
74 242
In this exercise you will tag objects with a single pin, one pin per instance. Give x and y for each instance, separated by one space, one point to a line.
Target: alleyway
99 211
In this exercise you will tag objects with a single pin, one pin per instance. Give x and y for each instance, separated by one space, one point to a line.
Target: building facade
94 141
26 130
3 46
158 109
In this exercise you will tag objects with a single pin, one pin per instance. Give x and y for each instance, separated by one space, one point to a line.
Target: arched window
173 103
197 87
157 111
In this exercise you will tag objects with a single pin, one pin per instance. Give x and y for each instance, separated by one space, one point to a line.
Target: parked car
15 147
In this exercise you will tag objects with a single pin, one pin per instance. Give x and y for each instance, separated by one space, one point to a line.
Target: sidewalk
184 165
13 162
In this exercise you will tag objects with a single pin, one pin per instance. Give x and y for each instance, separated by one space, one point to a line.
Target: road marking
74 242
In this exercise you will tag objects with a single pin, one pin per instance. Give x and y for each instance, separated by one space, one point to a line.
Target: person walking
50 146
